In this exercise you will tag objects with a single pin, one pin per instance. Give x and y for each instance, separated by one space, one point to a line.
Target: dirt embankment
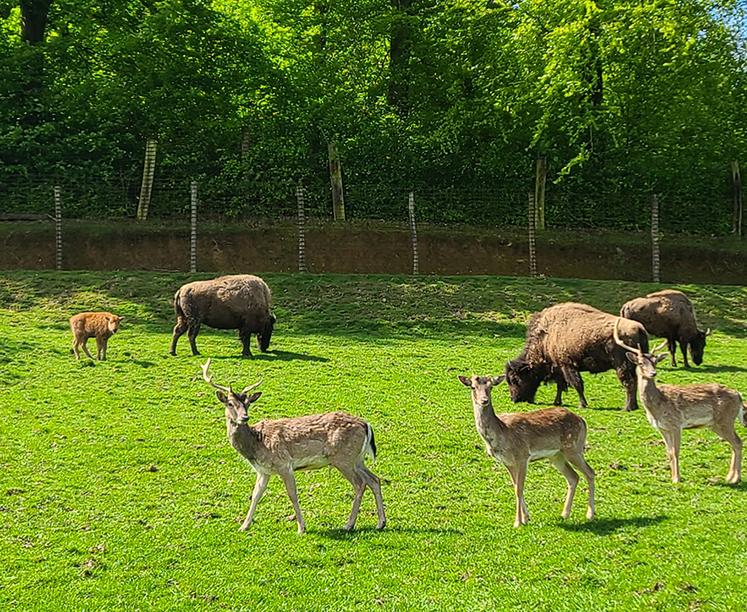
367 249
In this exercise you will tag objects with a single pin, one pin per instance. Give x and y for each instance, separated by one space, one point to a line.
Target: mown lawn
118 489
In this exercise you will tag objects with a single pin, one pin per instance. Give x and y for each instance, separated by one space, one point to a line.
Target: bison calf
241 301
99 325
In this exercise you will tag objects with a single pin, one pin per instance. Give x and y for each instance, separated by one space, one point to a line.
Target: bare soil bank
370 249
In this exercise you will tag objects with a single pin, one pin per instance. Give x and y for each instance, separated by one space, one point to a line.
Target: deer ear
253 397
222 397
465 381
497 380
632 357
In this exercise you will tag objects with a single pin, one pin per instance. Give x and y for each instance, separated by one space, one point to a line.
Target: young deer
670 409
517 438
99 325
281 446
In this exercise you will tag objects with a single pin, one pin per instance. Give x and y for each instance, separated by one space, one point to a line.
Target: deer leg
560 464
573 378
373 483
735 467
194 329
359 487
290 486
513 482
85 349
577 459
683 348
179 329
672 442
672 347
259 488
520 472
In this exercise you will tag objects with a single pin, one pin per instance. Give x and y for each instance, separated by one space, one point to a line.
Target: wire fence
201 224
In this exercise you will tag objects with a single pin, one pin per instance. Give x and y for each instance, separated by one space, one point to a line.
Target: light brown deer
670 409
282 446
99 325
517 438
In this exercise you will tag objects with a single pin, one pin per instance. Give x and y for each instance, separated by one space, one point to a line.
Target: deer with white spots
282 446
517 438
670 409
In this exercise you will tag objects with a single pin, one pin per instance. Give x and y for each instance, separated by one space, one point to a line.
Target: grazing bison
240 302
569 338
669 314
99 325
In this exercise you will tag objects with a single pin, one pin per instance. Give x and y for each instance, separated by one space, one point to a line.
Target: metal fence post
532 238
655 261
193 233
58 226
413 232
301 228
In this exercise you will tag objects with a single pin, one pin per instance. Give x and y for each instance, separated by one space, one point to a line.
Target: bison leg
573 378
179 329
246 338
562 386
672 346
683 348
85 349
194 329
628 380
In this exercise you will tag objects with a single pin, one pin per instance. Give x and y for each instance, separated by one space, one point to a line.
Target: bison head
697 346
523 380
266 333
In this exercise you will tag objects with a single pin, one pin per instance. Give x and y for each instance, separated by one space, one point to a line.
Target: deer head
237 404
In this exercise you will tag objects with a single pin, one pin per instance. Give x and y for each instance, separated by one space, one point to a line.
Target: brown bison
669 314
569 338
99 325
240 302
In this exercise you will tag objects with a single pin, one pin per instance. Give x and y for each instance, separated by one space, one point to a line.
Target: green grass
118 488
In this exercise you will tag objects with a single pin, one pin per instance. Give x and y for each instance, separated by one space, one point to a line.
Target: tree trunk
34 15
335 178
400 49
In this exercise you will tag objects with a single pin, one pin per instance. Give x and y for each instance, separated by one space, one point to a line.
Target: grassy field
119 490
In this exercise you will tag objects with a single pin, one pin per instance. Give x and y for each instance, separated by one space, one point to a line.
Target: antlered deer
517 438
669 314
282 446
670 409
99 325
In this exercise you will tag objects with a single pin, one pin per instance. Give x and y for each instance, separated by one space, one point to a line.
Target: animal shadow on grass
717 368
341 534
273 356
603 527
742 486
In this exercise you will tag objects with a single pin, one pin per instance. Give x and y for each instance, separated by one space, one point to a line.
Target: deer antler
658 348
616 336
250 387
209 379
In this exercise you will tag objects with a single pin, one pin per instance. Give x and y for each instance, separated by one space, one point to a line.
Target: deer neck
648 392
243 438
486 420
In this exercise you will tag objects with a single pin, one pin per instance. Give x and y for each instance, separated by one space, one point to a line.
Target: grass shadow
268 356
717 368
342 535
604 527
742 486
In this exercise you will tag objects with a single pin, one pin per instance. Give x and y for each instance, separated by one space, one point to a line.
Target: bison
569 338
669 314
99 325
240 302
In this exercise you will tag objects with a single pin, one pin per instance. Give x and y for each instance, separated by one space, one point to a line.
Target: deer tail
369 447
742 411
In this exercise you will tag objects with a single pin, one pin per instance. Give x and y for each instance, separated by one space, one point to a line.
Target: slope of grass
118 488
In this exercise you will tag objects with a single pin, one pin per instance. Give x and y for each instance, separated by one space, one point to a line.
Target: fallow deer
670 409
517 438
282 446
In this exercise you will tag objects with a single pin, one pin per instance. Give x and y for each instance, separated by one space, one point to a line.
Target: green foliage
118 487
623 98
